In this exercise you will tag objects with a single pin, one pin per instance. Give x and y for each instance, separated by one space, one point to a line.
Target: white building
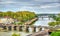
6 20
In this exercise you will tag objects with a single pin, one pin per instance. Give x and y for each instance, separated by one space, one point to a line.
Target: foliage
19 23
57 20
57 33
54 23
14 34
21 16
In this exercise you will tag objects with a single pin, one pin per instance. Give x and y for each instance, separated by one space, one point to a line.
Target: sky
37 6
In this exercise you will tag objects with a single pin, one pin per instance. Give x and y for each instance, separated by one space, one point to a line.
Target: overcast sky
37 6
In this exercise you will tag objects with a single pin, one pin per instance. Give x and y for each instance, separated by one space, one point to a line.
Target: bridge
42 30
24 28
46 16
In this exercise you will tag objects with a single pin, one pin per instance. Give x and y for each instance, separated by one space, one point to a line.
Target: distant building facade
6 20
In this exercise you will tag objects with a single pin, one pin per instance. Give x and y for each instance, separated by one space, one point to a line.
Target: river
43 22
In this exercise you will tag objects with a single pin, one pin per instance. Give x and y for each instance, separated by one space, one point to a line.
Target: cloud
46 0
47 6
7 2
15 3
32 5
25 8
52 5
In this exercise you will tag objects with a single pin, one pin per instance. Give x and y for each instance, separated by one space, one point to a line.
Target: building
6 20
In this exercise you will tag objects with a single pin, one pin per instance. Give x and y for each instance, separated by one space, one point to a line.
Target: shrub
14 34
57 33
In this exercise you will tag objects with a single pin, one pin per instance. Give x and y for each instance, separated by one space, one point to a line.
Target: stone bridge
25 28
46 16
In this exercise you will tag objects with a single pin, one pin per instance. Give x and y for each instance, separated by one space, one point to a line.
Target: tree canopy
21 16
57 33
57 20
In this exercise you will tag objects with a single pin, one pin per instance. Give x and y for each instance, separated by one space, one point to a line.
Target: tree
1 14
52 23
21 16
57 19
57 33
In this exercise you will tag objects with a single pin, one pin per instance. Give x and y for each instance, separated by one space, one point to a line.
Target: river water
43 22
39 22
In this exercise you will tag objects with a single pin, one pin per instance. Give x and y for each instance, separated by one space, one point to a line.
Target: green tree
1 14
57 33
21 16
52 23
57 19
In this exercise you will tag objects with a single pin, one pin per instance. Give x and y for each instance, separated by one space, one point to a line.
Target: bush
57 33
14 34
